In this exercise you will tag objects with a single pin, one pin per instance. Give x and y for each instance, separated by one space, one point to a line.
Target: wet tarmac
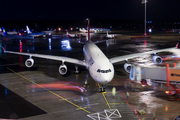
37 93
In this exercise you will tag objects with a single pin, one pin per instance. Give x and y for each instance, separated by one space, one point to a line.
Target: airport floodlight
144 1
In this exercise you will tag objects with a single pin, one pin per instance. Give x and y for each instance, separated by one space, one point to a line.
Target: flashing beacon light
20 46
150 30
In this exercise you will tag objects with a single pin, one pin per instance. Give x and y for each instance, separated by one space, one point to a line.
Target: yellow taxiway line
105 98
50 91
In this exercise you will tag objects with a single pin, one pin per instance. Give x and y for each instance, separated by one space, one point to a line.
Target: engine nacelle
29 62
62 69
127 67
157 59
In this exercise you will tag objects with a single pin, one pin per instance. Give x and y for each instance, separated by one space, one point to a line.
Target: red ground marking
126 101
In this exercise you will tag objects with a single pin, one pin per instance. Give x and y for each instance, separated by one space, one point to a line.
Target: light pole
88 28
144 1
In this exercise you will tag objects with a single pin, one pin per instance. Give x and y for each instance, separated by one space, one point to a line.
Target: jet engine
62 69
127 67
157 59
29 62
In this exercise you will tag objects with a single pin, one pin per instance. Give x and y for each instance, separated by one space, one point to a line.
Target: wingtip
177 45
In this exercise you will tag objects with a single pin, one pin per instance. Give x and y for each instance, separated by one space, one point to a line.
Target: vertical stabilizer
28 30
4 31
177 45
67 33
88 30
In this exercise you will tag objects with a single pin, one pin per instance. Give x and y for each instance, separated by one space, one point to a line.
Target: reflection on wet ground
14 106
63 85
59 98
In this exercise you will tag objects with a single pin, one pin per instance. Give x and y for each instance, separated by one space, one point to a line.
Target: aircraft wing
98 41
130 56
52 57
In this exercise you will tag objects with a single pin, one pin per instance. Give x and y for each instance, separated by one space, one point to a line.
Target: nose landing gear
102 89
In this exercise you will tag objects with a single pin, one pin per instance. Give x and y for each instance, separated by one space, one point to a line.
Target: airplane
82 30
38 34
12 33
9 33
93 30
73 35
100 68
15 36
110 36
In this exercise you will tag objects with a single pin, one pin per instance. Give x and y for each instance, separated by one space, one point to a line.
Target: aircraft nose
107 78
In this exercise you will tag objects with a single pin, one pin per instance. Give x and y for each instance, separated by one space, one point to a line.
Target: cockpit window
103 71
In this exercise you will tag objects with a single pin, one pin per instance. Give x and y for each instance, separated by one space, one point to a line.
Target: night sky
81 9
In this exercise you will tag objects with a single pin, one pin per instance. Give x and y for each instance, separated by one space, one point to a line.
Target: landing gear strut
102 89
76 71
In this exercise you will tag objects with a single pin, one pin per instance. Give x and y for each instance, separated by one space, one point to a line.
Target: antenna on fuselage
88 30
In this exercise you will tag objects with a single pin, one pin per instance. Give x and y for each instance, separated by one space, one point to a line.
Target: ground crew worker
114 92
154 115
86 83
127 95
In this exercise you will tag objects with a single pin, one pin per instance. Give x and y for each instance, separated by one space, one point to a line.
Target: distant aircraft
12 32
38 34
9 33
83 30
15 36
100 67
109 36
73 35
93 30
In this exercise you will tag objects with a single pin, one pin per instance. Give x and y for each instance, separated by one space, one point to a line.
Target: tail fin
0 30
4 31
67 33
177 45
3 49
88 30
28 30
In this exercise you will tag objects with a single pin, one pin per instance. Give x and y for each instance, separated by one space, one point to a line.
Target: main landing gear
76 71
102 89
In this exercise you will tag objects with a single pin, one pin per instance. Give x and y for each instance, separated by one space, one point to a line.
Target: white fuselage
83 30
12 33
100 69
110 36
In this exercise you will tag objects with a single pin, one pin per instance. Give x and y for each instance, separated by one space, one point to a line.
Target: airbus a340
100 67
